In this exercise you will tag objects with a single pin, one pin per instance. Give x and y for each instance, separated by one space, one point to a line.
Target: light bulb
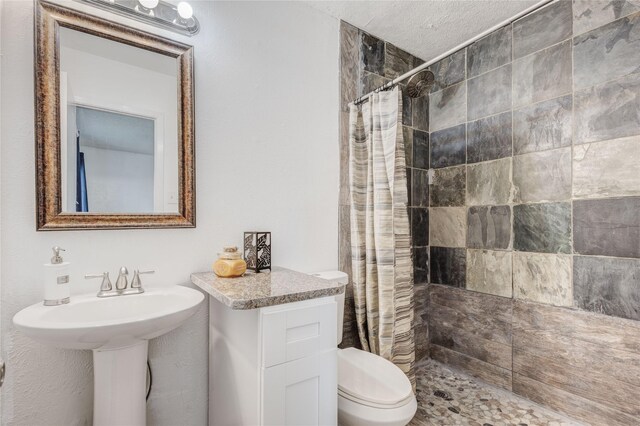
185 10
149 4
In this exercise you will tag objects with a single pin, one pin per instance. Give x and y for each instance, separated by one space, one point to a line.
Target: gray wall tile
349 64
549 25
449 146
407 135
607 169
489 183
421 265
420 149
607 285
489 52
447 226
489 93
543 228
544 75
542 278
489 138
370 82
420 188
448 71
420 112
407 107
609 227
542 126
372 53
489 272
608 111
448 107
590 14
489 227
449 187
421 316
542 176
396 61
608 52
448 266
419 226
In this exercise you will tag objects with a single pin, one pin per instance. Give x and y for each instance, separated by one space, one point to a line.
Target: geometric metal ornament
257 250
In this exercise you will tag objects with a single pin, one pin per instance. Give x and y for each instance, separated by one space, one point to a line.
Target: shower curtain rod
416 70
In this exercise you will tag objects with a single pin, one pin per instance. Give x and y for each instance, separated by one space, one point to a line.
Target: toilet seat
370 380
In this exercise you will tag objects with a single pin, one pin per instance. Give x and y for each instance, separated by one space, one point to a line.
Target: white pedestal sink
118 330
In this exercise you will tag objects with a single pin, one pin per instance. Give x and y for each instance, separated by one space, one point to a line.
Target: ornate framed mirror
114 109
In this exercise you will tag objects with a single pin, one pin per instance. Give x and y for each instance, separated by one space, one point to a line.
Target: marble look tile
489 183
489 52
608 111
448 107
607 169
542 28
542 126
544 228
448 266
542 176
489 138
421 315
421 265
419 226
349 64
609 227
542 278
419 188
489 272
607 53
407 107
449 146
420 113
489 93
544 75
590 14
344 239
409 186
607 286
489 227
345 190
420 149
447 226
370 82
396 61
448 71
449 187
372 53
407 135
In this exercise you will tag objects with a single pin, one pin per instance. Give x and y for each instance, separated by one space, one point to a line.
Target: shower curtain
382 270
82 199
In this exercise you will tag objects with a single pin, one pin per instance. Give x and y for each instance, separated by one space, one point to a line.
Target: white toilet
371 390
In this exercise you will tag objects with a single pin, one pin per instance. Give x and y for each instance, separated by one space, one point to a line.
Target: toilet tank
342 278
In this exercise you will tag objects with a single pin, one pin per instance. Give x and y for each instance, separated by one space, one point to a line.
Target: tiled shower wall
529 233
367 63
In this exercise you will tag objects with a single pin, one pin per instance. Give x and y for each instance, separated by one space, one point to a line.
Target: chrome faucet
107 290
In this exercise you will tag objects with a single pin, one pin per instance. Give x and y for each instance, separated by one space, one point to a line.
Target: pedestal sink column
120 385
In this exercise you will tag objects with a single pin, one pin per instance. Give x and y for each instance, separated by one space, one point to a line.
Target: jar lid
230 252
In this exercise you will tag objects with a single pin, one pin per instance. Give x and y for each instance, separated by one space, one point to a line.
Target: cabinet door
301 392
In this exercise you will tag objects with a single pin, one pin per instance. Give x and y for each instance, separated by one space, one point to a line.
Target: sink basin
89 322
118 330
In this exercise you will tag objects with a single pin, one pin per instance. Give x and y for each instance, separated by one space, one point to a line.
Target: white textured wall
267 158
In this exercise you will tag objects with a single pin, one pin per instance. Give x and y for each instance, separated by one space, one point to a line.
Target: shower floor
447 396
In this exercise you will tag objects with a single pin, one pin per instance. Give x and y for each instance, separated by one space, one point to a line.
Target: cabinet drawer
297 331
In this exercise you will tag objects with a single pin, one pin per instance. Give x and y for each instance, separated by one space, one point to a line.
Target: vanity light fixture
160 13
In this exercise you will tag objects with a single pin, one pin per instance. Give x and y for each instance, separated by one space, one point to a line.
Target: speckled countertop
265 288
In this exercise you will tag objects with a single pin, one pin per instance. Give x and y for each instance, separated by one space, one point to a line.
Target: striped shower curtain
382 272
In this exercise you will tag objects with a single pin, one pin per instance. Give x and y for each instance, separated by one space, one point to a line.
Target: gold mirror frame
48 19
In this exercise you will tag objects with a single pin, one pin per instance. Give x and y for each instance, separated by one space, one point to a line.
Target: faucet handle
106 281
135 282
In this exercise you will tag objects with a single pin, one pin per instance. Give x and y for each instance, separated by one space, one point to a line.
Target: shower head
420 83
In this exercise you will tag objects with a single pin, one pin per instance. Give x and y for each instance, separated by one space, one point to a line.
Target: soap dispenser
57 286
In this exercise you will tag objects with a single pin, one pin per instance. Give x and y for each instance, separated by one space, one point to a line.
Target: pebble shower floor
447 396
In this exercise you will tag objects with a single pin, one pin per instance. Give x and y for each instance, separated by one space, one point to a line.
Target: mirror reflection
119 127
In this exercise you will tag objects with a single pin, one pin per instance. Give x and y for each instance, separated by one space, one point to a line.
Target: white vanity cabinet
275 365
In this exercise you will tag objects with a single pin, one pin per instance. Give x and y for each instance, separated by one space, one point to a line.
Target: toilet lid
371 380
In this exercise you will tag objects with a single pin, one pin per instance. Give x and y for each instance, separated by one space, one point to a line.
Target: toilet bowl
371 390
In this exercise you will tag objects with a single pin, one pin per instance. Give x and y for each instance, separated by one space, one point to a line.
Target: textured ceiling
424 28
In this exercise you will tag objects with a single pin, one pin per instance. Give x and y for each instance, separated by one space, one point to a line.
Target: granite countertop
265 288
